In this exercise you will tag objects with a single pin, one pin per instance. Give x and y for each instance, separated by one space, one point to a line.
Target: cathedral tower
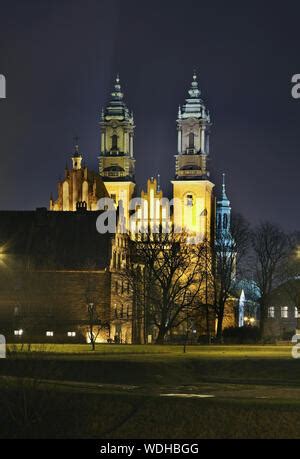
192 189
223 215
116 161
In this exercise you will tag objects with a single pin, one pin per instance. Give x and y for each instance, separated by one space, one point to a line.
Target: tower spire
194 91
117 93
224 196
116 160
193 126
158 182
76 147
223 214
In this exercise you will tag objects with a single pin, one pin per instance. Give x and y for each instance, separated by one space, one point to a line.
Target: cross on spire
76 146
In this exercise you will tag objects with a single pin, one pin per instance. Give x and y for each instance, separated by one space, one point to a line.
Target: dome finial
194 91
117 92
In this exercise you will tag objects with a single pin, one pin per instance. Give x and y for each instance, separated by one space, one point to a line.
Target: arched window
191 140
225 221
219 221
189 200
114 142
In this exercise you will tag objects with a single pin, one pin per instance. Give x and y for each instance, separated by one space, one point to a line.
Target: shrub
241 335
287 335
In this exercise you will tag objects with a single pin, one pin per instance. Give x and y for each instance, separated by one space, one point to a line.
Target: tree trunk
220 326
262 322
161 336
208 325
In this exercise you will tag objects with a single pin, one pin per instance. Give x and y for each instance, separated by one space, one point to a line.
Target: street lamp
249 321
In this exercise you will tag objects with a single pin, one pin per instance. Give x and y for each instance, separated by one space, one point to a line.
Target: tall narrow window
284 312
191 140
114 142
225 222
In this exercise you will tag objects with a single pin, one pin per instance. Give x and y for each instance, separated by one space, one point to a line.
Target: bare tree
229 249
271 247
96 318
173 274
291 274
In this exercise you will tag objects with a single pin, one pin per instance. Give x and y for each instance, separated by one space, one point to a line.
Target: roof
54 240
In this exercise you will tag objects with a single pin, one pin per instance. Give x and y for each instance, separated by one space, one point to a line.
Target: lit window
18 332
284 312
271 312
114 142
297 314
189 200
49 333
71 333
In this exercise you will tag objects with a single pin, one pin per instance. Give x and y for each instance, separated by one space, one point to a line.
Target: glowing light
71 334
18 332
98 338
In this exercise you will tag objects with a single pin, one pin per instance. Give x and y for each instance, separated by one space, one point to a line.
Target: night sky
60 59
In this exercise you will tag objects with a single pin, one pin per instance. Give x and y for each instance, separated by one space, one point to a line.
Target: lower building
53 264
283 315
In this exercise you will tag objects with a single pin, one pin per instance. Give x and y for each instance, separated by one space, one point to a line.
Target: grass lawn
119 350
123 391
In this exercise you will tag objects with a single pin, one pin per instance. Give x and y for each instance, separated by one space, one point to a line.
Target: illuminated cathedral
194 205
194 201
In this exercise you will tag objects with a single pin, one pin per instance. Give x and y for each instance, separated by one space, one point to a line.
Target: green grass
118 351
117 391
57 414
